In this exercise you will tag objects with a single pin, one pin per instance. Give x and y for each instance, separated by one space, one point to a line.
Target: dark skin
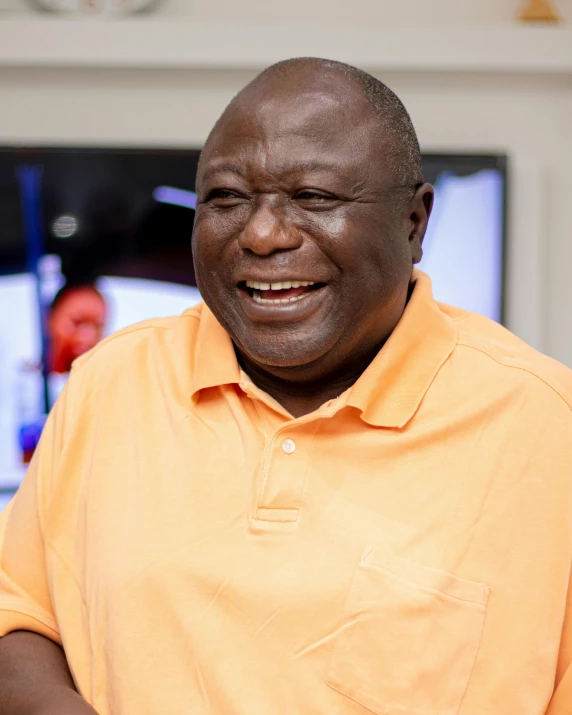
36 679
295 184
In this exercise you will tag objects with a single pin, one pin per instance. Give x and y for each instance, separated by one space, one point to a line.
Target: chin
285 355
280 361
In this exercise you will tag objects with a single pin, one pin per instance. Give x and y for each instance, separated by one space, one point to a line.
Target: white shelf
165 44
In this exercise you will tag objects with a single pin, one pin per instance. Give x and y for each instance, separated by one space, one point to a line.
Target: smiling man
318 492
311 213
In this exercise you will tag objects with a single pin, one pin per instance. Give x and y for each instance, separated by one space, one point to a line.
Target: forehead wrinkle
254 114
290 134
225 164
289 170
301 148
311 116
221 166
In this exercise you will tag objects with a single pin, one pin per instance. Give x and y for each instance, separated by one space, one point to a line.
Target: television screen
92 240
463 250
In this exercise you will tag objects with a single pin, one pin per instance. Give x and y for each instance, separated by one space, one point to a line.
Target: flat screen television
94 239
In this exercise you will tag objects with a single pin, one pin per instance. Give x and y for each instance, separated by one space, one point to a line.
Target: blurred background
105 104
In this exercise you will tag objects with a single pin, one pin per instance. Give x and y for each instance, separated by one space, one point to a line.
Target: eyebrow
302 166
223 166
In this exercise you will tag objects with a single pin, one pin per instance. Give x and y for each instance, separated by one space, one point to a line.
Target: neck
305 388
301 396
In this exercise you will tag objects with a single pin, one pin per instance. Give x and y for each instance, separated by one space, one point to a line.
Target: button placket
288 446
284 478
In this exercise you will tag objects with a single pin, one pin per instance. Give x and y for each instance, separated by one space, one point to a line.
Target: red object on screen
75 325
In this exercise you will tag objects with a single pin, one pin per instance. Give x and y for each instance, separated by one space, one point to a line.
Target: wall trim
165 44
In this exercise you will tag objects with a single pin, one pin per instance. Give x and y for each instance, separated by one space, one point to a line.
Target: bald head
343 85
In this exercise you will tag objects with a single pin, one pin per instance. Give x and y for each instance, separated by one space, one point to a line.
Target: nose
268 231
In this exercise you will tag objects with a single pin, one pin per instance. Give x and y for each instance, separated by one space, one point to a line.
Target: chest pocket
409 637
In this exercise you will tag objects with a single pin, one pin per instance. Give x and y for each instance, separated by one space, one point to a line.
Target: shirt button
288 446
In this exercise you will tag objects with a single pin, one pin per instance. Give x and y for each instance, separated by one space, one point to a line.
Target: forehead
294 131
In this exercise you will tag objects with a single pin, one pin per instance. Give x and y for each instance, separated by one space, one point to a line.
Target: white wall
529 116
361 11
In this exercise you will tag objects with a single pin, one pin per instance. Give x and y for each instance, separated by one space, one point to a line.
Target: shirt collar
391 389
215 360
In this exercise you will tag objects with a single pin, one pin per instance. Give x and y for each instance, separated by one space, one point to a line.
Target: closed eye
223 197
312 199
310 194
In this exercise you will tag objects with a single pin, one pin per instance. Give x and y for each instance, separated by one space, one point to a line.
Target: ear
420 209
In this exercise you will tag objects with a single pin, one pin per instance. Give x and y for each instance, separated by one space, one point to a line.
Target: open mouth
283 292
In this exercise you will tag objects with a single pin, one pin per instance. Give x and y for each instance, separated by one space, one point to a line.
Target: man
320 492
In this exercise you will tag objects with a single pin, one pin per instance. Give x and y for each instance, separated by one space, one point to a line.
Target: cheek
215 239
332 226
218 226
386 246
366 249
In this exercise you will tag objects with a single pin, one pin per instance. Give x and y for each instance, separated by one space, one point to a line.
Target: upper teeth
278 286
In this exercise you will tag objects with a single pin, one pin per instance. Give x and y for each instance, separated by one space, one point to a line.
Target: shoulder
140 337
128 361
498 355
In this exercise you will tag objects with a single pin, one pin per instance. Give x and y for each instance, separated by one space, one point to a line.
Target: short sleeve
561 703
25 602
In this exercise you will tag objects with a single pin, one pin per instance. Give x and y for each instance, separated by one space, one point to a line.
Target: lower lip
283 312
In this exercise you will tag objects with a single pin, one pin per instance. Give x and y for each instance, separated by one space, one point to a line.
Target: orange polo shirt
405 549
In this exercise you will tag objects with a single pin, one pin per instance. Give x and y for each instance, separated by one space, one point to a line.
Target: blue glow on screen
463 247
5 498
175 197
